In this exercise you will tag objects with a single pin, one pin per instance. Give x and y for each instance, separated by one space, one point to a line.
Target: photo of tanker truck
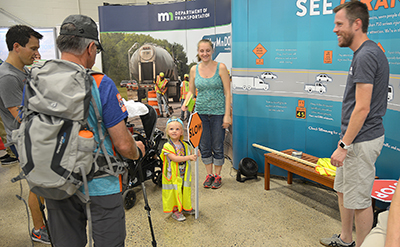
146 63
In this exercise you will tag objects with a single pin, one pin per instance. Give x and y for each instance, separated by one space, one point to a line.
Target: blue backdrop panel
300 48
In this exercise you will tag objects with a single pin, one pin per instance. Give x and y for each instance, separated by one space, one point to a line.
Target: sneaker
4 157
336 241
178 216
209 180
191 212
217 182
7 160
41 235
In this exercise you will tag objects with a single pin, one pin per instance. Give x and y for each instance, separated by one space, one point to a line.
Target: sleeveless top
211 98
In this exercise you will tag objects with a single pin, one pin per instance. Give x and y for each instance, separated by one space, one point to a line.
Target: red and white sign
383 190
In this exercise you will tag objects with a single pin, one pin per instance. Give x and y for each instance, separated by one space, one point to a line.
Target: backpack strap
111 165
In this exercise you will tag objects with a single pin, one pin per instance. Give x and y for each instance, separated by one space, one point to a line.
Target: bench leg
289 178
267 175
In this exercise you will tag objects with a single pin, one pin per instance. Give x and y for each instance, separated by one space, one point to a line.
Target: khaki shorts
356 177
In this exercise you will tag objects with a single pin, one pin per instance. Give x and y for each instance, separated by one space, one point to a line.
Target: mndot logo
166 16
184 15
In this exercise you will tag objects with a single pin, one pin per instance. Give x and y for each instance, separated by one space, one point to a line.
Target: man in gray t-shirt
11 87
364 105
23 45
369 66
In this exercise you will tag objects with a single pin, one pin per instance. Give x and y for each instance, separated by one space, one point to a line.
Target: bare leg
218 170
364 220
35 210
346 216
209 168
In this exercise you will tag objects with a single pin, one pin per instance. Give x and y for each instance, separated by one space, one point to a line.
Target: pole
196 178
305 162
146 203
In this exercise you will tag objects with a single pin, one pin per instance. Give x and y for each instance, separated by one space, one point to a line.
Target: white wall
51 13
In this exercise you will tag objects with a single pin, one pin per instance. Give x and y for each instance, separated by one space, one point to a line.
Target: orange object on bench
294 167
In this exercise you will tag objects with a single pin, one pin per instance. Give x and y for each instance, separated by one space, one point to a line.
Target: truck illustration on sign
258 82
317 87
248 83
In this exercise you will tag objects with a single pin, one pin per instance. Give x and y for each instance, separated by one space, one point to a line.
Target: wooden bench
297 168
294 167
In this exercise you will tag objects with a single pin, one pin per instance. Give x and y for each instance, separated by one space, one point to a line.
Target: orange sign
301 110
259 50
327 56
195 128
260 61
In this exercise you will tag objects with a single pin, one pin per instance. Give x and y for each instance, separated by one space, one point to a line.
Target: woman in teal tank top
213 103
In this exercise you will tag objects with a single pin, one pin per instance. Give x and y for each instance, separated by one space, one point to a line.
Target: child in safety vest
176 172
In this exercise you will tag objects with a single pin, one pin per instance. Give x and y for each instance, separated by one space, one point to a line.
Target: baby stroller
150 164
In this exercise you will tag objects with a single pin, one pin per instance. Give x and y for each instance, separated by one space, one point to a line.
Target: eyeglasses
172 119
98 49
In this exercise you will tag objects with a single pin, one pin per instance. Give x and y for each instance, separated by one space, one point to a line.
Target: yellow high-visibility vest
176 192
160 85
184 89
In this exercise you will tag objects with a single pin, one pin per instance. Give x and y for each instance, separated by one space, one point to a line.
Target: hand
140 145
184 108
193 157
338 157
227 121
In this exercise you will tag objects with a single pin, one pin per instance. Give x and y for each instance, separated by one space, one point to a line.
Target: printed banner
289 76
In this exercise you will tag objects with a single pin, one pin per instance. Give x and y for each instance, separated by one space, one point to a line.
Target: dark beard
347 40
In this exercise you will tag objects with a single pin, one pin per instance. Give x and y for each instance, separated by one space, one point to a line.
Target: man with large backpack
78 42
23 45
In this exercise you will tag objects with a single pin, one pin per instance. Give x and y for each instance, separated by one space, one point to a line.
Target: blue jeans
212 139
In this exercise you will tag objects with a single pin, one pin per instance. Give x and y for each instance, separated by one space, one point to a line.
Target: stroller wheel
157 178
129 198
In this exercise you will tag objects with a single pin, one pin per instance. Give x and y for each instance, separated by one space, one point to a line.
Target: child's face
175 130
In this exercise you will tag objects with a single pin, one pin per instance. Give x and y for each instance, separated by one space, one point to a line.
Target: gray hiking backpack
54 141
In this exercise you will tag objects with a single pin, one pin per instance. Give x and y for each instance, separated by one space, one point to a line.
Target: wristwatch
343 145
